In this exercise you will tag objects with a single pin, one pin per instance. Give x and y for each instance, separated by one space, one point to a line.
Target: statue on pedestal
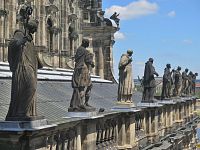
24 62
185 82
190 83
81 80
167 82
125 87
149 81
194 83
177 82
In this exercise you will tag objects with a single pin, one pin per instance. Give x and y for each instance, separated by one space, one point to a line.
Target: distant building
62 25
138 86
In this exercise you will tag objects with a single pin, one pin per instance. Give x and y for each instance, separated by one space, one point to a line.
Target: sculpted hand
22 41
92 65
157 74
130 60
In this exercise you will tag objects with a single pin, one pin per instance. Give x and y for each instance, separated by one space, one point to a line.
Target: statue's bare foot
82 107
86 104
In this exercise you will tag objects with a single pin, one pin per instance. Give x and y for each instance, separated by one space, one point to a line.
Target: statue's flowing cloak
149 80
24 62
81 76
125 77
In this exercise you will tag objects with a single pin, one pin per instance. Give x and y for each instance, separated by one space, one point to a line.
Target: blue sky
166 30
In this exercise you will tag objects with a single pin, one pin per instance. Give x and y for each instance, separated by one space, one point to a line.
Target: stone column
64 25
1 37
171 115
43 34
78 138
149 123
191 110
176 112
101 61
131 131
11 16
180 112
164 117
162 120
167 116
122 133
91 135
144 123
116 132
37 15
188 110
156 120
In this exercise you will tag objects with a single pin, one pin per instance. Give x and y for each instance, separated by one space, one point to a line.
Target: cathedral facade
62 26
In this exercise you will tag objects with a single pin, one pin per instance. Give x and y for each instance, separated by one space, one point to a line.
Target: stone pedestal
123 107
24 119
24 125
149 104
167 102
86 112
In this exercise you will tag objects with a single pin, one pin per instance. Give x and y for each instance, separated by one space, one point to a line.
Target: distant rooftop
55 91
56 74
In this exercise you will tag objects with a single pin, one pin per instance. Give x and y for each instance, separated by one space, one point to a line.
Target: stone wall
57 42
167 126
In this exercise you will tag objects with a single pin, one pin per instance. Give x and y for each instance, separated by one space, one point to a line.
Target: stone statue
24 62
185 82
167 82
115 18
149 81
125 87
189 85
194 83
177 82
81 81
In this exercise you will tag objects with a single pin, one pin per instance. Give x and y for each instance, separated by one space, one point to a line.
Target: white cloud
171 14
133 10
187 41
119 35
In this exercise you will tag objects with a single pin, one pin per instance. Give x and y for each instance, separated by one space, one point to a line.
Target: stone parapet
146 128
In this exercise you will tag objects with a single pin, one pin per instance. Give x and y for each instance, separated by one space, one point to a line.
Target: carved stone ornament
51 1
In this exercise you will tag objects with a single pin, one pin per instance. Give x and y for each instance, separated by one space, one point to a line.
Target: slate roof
54 93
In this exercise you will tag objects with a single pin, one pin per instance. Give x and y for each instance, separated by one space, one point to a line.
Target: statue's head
151 60
32 26
85 43
186 70
179 68
168 66
129 52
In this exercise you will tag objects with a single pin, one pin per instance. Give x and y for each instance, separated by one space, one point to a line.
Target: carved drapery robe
125 87
185 82
177 83
81 80
24 62
167 81
149 82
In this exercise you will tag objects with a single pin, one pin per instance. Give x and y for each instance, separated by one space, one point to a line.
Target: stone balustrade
169 125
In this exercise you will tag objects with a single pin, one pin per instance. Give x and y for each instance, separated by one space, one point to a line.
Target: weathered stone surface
24 62
125 88
149 82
